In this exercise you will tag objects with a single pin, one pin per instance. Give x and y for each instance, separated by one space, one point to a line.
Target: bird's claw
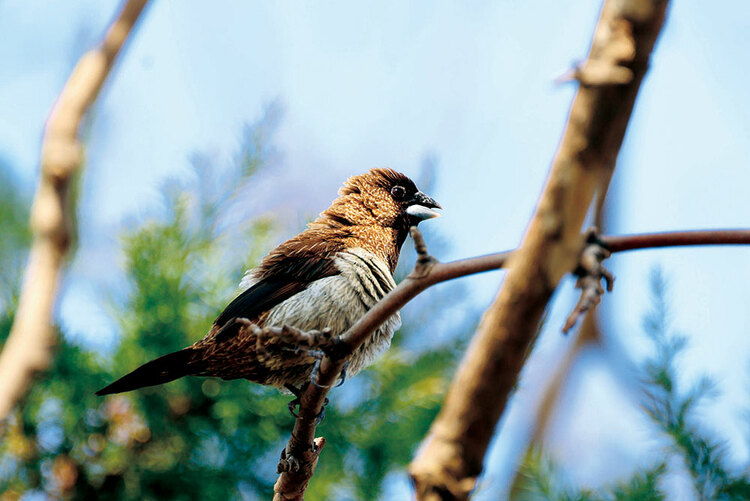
292 405
316 369
318 417
287 463
342 376
296 402
322 414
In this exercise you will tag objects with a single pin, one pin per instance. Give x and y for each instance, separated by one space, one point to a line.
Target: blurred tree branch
28 348
589 334
450 460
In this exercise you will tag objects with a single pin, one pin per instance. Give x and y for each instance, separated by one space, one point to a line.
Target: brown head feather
365 214
384 178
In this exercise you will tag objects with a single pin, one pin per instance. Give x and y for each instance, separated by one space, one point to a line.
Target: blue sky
386 83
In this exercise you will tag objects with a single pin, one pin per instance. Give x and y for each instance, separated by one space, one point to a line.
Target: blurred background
226 126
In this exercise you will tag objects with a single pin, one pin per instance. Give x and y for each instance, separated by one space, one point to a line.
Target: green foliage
201 438
539 478
14 221
673 411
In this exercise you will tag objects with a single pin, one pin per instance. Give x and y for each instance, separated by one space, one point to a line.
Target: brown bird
328 276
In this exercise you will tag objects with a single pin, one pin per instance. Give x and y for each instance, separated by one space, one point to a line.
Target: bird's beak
420 207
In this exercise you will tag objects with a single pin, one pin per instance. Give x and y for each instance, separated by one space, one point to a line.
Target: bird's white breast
339 301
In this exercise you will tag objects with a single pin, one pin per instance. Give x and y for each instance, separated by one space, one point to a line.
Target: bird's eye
398 192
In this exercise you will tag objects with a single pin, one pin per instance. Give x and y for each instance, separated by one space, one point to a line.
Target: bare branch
451 458
28 348
676 239
295 477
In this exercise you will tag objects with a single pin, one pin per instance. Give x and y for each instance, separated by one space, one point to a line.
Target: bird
324 278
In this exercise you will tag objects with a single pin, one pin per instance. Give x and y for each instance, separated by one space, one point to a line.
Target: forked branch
301 454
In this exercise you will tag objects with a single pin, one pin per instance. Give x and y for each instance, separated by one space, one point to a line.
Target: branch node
590 272
296 474
596 73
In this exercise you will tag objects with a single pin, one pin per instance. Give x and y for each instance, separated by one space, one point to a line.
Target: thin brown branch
451 457
675 239
294 478
28 348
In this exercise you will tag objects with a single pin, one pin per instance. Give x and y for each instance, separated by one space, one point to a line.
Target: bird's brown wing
286 271
287 278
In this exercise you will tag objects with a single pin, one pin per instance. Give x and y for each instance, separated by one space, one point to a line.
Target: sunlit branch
28 349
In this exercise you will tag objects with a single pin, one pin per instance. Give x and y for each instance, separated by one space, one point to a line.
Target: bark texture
450 459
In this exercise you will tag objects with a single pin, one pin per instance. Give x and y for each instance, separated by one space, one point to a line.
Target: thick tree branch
300 456
451 457
589 334
28 348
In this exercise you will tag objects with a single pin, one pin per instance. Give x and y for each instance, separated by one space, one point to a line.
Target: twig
450 459
590 273
28 349
676 239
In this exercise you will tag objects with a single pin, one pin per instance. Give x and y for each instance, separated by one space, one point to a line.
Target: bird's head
381 197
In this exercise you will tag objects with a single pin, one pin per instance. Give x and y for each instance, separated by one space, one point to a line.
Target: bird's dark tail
159 371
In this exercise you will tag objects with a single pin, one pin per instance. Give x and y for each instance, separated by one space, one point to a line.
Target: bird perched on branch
326 277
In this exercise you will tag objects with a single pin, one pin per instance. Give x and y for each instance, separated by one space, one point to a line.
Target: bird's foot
296 402
287 463
342 376
316 369
320 416
318 356
293 404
